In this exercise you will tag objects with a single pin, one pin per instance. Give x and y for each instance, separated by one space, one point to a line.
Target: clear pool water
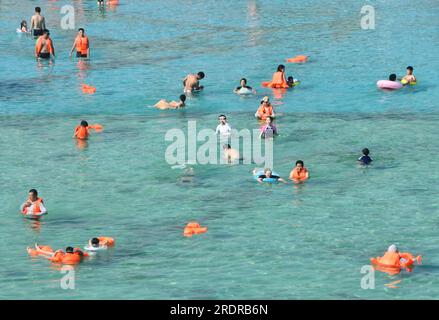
278 242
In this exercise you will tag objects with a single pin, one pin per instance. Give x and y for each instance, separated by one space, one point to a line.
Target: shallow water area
264 241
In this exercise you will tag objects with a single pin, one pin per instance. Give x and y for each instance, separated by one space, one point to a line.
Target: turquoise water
272 242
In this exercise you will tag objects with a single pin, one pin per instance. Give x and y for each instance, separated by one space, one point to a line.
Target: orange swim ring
193 228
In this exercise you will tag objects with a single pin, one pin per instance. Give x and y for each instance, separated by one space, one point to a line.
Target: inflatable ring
268 180
193 228
390 85
34 216
244 91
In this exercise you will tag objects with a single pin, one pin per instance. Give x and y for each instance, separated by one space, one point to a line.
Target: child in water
365 159
23 26
292 82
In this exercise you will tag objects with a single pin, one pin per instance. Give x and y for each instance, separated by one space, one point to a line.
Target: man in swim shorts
44 47
81 44
365 159
223 128
163 104
33 204
37 23
192 82
409 77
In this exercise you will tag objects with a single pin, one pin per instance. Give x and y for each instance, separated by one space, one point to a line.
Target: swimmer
392 258
268 130
243 85
278 81
34 204
82 131
292 82
223 128
82 45
265 109
37 23
44 47
71 256
365 159
192 82
392 77
163 104
267 175
409 77
231 154
299 173
23 26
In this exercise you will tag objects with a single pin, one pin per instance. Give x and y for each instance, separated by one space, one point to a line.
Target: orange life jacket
264 112
81 132
36 205
278 81
39 45
299 175
82 44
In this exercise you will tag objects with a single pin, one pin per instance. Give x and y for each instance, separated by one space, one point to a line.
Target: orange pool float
88 89
193 228
393 262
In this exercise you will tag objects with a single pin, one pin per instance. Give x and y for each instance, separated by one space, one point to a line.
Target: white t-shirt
223 129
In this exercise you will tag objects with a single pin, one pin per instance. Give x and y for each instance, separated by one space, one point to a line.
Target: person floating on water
34 204
365 159
268 130
163 104
393 261
82 45
292 82
44 47
278 81
23 26
299 173
37 23
409 77
265 109
192 82
244 88
223 129
231 154
268 174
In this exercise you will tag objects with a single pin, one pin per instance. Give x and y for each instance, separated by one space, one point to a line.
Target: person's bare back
192 82
37 23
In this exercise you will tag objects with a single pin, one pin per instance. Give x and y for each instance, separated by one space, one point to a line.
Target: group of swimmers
44 49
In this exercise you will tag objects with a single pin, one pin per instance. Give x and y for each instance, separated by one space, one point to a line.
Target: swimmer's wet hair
227 146
84 123
410 68
392 77
221 115
290 78
243 79
95 241
81 29
301 162
45 31
37 9
201 74
34 192
267 169
183 97
365 151
69 250
280 67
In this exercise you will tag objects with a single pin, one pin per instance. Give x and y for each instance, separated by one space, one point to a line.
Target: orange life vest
264 112
81 132
299 175
278 81
82 44
36 205
39 45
